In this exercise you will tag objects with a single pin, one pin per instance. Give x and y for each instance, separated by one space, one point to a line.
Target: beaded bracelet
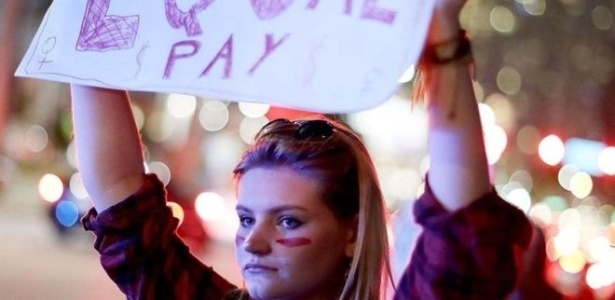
457 49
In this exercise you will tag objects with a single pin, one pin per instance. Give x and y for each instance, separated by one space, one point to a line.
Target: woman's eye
245 221
289 222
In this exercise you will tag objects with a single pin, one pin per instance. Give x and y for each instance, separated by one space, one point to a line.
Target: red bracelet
458 49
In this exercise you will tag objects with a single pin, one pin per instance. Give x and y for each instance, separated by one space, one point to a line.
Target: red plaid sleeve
467 254
141 252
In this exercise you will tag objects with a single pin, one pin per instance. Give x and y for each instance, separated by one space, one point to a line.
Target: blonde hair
334 156
370 267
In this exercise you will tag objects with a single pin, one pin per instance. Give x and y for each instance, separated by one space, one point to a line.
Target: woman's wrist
456 49
446 41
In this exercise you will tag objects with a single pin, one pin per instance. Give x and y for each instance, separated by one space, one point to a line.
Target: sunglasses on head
305 129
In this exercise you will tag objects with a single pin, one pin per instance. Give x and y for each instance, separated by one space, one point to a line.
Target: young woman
311 213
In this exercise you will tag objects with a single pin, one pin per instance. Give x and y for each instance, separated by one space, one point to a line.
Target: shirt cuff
131 212
488 221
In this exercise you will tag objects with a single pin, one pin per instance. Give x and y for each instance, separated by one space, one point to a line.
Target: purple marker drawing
100 32
347 10
48 46
226 53
177 18
269 9
193 48
270 45
371 11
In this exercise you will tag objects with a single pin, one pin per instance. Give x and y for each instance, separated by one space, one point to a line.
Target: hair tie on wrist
457 50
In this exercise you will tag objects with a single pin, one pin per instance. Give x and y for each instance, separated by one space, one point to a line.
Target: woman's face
289 244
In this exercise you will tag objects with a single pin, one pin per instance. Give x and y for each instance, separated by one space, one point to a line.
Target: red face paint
239 240
294 242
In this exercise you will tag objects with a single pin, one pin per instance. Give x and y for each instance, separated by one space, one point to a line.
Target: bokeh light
401 182
214 115
556 203
139 115
67 213
551 150
520 198
584 153
565 174
161 170
528 139
601 274
509 80
524 178
176 210
541 214
210 206
181 106
581 185
602 17
567 242
50 187
155 128
76 186
36 138
71 155
406 128
598 249
495 142
249 127
253 110
534 7
502 19
503 110
487 115
606 160
573 263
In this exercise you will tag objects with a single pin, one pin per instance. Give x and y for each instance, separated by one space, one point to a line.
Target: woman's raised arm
109 147
459 172
471 237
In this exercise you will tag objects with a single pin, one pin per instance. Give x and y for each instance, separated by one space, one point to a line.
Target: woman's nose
258 240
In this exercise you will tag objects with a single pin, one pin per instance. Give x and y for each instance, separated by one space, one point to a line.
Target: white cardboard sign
328 56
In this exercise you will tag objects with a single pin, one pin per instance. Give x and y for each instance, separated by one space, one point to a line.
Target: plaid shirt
465 255
141 252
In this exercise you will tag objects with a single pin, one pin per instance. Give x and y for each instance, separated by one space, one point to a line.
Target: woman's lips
258 268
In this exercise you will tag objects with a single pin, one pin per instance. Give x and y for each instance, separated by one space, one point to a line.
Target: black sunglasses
306 129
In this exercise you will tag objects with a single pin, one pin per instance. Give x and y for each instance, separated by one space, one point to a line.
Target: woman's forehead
265 187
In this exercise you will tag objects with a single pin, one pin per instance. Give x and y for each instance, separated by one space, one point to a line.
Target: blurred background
543 75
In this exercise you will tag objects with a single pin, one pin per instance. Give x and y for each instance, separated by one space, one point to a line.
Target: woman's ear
351 237
350 249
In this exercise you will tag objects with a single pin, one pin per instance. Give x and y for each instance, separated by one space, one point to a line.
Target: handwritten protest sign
329 56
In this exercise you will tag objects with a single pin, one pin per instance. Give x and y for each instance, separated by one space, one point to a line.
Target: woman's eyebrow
240 207
275 209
